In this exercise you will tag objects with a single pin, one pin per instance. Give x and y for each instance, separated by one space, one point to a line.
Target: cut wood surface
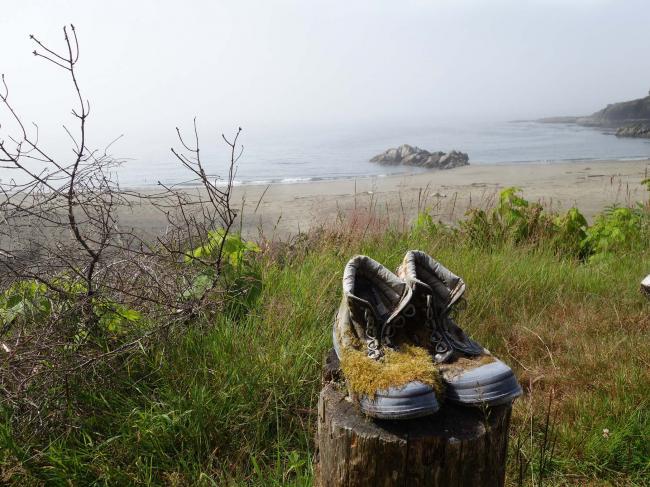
458 446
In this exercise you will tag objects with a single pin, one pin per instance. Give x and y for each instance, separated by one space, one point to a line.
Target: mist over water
294 156
378 74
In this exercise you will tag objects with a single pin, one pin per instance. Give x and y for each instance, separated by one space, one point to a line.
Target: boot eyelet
409 311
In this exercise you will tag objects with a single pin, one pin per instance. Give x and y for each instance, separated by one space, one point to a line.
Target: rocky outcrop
615 115
408 155
619 114
635 130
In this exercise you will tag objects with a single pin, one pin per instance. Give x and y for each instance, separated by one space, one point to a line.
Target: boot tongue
447 292
382 312
434 278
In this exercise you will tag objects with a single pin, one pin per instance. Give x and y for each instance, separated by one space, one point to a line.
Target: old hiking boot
390 380
472 375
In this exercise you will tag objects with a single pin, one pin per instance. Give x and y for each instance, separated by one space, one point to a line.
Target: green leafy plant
114 317
616 228
519 219
512 206
424 225
25 300
513 219
570 233
29 302
232 246
234 259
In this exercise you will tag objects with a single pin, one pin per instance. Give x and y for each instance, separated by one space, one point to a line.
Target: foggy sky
147 66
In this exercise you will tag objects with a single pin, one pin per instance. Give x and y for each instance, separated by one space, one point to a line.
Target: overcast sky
149 65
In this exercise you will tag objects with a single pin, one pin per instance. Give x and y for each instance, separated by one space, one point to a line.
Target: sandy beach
284 209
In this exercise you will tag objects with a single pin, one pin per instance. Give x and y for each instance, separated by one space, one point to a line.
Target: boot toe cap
492 384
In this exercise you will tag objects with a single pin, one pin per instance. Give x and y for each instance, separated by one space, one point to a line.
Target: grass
233 402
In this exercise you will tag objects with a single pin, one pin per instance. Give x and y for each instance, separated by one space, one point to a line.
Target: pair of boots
399 347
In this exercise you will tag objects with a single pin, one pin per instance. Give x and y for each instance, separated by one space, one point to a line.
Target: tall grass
232 402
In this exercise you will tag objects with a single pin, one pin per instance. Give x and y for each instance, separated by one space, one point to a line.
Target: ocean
303 155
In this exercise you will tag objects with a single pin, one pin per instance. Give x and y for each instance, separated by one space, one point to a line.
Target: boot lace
372 341
448 337
434 321
390 329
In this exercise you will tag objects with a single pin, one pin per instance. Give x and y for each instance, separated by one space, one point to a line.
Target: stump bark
458 446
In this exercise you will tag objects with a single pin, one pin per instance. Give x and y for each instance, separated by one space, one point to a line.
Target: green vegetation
231 400
516 221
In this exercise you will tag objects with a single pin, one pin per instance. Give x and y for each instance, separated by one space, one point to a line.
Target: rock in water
635 130
391 156
408 155
453 159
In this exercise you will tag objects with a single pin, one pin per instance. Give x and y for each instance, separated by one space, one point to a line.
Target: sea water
274 156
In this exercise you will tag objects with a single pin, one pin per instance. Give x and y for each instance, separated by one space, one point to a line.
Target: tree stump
458 446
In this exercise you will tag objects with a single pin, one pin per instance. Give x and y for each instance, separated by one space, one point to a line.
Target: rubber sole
490 384
414 400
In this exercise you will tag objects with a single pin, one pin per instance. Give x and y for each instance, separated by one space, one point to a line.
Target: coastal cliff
620 114
630 118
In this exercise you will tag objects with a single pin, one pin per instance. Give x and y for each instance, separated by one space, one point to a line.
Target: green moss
347 336
366 376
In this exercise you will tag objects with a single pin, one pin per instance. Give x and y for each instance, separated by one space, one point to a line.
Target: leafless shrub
79 292
47 196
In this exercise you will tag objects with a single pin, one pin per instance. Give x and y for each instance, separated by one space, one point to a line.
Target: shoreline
282 210
413 172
